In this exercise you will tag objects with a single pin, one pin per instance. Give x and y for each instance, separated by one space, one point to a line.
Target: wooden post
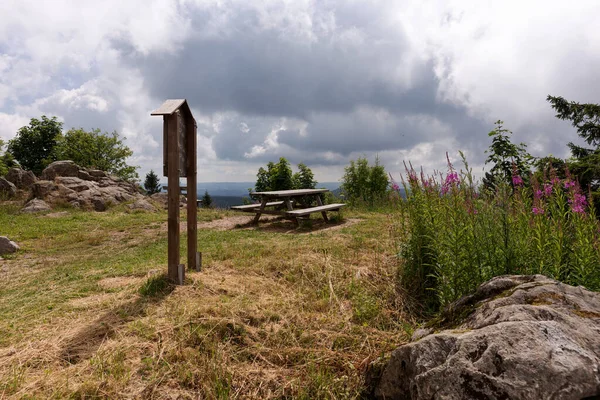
179 160
173 196
192 195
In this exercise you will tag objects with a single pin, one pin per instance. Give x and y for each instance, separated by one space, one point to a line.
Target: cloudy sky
319 82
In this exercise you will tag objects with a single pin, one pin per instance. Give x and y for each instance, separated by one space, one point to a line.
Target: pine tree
586 119
207 201
151 184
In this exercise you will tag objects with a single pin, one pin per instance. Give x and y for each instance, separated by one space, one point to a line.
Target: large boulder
35 205
7 189
142 204
60 168
517 337
20 178
7 245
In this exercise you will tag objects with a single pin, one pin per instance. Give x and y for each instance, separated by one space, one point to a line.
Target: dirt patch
276 224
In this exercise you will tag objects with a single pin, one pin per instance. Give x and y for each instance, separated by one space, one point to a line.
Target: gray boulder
41 189
36 205
60 168
517 337
7 246
20 178
142 204
7 189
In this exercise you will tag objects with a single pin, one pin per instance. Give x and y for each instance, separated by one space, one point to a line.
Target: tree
507 158
207 201
34 145
151 184
585 163
97 150
363 182
304 178
6 160
279 177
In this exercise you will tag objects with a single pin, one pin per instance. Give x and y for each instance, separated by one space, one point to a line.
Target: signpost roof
170 106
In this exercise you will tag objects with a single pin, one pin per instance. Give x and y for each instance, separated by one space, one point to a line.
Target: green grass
277 311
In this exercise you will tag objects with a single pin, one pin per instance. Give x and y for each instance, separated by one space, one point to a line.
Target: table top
290 193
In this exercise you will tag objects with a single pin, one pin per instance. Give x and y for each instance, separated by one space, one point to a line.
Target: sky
318 82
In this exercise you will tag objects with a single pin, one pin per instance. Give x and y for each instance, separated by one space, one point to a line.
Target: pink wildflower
537 210
578 203
451 179
517 180
547 189
569 184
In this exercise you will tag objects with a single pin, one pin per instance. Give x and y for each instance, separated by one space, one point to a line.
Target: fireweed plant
459 235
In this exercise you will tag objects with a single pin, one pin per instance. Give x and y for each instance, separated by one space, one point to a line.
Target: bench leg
263 203
288 204
323 213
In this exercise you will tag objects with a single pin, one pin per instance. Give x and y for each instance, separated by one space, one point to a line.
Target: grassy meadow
276 312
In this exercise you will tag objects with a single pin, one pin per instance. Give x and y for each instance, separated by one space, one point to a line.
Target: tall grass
459 234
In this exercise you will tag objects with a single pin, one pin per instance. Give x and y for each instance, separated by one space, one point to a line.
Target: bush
6 160
363 183
458 236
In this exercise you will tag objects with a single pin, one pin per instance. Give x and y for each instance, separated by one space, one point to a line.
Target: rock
99 204
73 183
7 246
60 168
36 205
41 189
517 337
20 178
96 173
84 175
142 204
7 189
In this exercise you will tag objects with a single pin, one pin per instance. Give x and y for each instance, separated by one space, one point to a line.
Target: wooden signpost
179 160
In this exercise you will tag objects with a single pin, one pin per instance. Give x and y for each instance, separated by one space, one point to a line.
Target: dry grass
272 315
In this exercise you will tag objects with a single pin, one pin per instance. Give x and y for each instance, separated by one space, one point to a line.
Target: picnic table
272 203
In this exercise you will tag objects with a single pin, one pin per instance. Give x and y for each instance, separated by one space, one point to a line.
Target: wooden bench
253 207
322 209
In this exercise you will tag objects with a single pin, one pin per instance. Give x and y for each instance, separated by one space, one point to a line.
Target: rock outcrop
517 337
35 205
7 245
66 182
21 178
7 189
